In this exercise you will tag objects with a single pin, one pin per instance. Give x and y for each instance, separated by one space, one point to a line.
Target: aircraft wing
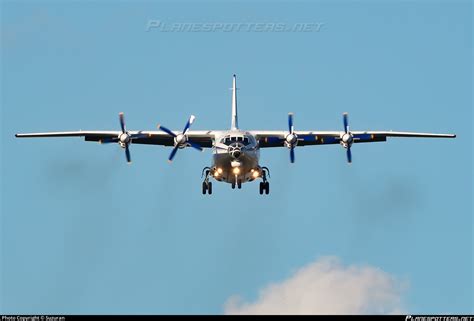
203 138
277 138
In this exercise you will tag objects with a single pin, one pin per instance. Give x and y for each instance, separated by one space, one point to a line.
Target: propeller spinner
181 140
347 138
124 139
291 140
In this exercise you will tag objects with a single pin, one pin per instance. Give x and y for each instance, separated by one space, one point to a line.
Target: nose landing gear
239 184
264 186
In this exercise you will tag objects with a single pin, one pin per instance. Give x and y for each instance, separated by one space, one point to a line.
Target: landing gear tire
233 185
209 188
264 187
239 184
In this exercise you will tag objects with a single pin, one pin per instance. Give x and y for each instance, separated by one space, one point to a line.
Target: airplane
236 152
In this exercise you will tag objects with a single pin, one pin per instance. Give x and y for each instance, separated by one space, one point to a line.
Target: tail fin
235 121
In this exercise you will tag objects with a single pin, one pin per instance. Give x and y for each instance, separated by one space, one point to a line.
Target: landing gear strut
206 185
237 182
265 185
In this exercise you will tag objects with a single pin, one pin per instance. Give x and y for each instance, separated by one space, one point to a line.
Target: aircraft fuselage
236 158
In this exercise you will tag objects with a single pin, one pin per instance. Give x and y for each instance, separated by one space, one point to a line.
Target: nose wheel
238 184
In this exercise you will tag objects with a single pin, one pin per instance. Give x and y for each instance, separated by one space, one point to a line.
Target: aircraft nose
235 151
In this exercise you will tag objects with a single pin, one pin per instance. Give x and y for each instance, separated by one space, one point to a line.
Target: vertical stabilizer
235 122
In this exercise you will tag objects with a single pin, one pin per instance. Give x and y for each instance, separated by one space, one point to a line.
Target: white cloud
327 287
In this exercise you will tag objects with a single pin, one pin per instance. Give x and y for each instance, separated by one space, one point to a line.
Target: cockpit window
232 139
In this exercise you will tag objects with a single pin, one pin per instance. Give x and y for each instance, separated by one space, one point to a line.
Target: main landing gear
206 185
265 185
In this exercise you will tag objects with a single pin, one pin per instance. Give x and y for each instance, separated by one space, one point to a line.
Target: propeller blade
122 122
166 130
290 123
292 154
349 155
346 122
195 145
188 124
127 154
173 153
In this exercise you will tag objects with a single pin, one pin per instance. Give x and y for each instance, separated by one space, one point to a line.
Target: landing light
236 170
219 170
255 174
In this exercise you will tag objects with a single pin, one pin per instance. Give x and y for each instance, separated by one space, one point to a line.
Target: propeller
347 138
124 138
291 140
181 140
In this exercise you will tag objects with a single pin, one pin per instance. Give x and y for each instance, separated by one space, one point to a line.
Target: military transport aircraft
236 152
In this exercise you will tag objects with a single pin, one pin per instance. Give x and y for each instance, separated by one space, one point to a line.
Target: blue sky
83 232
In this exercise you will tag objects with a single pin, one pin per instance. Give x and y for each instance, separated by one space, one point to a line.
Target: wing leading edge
204 138
306 138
